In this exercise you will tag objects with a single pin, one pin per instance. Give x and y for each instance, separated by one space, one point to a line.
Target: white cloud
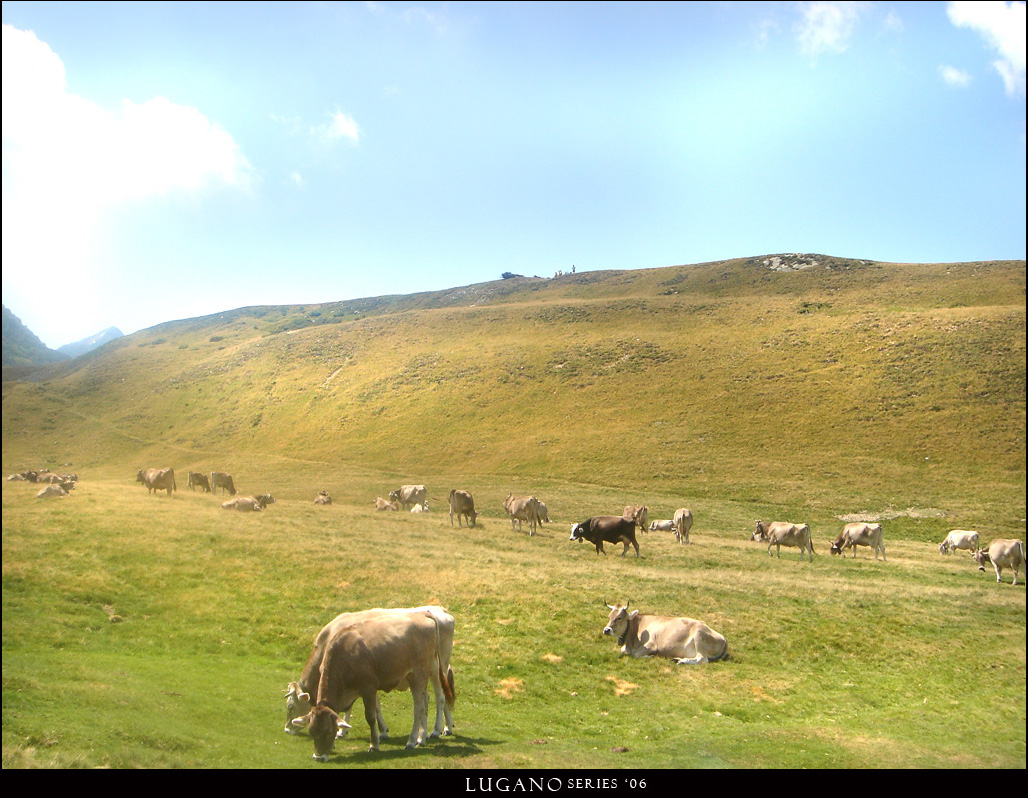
58 143
893 23
67 161
955 77
827 27
1002 26
339 126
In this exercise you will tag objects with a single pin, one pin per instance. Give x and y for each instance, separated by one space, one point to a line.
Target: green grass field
146 632
143 631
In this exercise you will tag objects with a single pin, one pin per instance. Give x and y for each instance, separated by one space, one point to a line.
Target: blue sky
169 160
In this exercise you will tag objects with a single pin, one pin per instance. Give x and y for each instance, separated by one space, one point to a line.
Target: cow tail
446 682
449 688
445 679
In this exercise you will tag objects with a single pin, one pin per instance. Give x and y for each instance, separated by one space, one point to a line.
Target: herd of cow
54 485
158 479
360 654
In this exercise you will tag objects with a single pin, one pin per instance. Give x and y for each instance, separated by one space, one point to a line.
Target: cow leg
371 716
440 702
419 691
383 730
999 573
698 660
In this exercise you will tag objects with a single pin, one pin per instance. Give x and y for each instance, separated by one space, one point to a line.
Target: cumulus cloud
955 77
339 126
827 27
67 161
1002 26
57 142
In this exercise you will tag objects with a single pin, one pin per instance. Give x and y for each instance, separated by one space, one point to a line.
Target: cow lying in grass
685 640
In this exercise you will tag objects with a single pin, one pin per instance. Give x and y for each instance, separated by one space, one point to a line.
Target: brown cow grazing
685 640
1002 553
52 491
382 504
683 523
322 498
196 480
522 508
157 479
243 504
782 533
219 479
463 506
409 495
606 528
637 513
860 534
959 539
298 693
375 655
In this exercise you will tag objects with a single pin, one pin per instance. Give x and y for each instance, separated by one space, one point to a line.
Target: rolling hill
797 387
807 379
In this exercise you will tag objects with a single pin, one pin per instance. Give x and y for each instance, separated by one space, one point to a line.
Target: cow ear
304 697
633 613
342 724
302 722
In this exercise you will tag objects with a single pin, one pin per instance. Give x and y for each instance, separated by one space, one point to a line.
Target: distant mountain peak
92 342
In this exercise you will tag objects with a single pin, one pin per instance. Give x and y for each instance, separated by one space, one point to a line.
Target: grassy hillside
147 632
847 382
160 632
22 349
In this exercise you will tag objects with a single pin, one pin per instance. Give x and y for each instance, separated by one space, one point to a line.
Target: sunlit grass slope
844 382
156 632
147 631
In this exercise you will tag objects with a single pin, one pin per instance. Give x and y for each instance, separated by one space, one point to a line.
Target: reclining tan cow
685 640
246 504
